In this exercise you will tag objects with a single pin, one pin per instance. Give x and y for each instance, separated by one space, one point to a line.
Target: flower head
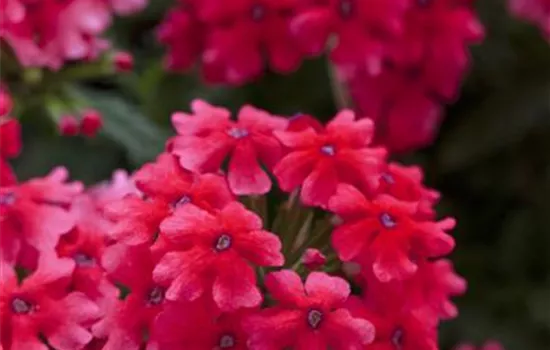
221 249
208 137
320 161
308 316
386 229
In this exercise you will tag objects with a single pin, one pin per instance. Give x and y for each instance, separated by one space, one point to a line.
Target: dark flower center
387 221
314 318
237 133
397 338
20 306
182 201
388 178
7 198
83 260
345 8
155 296
227 341
257 12
328 150
223 243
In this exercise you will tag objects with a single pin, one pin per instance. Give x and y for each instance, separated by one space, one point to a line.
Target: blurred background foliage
491 160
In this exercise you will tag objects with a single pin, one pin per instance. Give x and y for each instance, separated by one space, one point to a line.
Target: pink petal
202 154
245 175
69 336
268 148
293 169
286 287
349 240
187 224
235 287
213 190
298 139
236 218
320 185
348 330
262 248
348 202
253 118
328 290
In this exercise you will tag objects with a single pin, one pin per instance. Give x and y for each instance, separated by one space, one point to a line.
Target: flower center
223 243
237 133
345 8
83 260
227 341
20 306
182 201
397 338
7 198
155 296
328 150
314 318
388 178
387 221
258 12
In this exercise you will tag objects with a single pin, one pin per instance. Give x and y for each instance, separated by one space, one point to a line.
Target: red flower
33 213
362 29
85 244
127 322
309 316
218 261
40 306
405 183
198 325
395 328
183 36
10 146
319 161
6 103
386 229
240 34
208 136
535 11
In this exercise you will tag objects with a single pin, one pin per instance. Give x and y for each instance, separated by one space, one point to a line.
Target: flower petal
245 175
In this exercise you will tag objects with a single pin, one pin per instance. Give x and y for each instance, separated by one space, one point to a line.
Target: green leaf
125 124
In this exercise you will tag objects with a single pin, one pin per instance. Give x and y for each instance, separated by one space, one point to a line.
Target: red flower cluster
47 33
10 139
535 11
422 72
172 260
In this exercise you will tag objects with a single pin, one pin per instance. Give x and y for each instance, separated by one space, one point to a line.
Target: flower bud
123 61
68 125
313 259
91 123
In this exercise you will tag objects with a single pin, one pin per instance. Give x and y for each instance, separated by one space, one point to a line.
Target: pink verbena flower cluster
189 254
421 74
48 33
402 59
535 11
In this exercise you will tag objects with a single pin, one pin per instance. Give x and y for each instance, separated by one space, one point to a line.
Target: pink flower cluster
535 11
421 74
10 138
170 259
48 33
402 59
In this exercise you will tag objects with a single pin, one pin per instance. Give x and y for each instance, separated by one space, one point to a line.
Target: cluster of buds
89 124
200 250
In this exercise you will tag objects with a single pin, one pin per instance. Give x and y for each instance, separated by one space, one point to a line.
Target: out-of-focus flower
10 146
49 33
535 11
424 69
489 345
6 103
